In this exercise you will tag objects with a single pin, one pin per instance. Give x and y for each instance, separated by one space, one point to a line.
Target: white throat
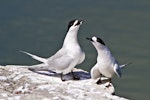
71 38
101 50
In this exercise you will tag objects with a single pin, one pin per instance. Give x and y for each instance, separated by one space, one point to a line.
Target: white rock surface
19 83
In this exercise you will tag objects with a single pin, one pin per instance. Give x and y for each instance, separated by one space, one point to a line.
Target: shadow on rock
82 75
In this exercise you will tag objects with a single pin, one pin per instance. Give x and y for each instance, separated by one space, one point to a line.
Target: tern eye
71 23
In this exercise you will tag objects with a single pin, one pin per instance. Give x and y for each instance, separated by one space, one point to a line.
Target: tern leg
61 75
99 81
75 77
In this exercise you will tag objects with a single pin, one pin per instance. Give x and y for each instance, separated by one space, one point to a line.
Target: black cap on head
71 23
100 41
75 23
96 39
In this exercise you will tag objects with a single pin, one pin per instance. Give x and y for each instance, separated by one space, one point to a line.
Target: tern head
97 42
74 25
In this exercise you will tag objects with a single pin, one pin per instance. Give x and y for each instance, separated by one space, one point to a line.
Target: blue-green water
39 27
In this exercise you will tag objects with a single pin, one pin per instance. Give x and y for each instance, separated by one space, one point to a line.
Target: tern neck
101 50
71 38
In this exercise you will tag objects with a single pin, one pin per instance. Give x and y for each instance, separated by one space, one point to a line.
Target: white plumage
65 59
106 64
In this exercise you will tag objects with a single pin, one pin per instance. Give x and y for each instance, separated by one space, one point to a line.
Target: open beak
79 22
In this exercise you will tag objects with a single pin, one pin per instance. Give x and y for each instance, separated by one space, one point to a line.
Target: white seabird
106 64
65 59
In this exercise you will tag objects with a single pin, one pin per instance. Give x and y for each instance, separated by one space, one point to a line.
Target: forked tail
35 57
123 66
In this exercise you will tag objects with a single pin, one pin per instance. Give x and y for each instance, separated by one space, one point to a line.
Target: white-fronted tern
65 59
106 64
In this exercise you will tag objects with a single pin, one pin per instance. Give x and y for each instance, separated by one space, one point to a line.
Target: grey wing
60 61
117 70
58 54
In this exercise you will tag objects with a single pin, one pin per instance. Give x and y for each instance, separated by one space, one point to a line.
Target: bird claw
108 85
61 75
63 80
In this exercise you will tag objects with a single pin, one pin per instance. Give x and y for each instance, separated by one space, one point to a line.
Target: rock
19 83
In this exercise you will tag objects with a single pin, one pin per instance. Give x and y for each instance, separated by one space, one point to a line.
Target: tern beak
90 39
81 21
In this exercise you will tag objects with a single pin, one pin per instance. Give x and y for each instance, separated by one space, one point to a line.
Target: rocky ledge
19 83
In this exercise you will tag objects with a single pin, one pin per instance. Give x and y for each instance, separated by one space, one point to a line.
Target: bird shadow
80 74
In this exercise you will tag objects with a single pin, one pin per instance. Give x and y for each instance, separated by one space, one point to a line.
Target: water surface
39 27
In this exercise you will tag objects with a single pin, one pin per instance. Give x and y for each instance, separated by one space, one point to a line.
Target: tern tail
124 65
35 57
118 68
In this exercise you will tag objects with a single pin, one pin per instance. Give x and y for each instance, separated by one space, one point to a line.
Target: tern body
106 64
65 59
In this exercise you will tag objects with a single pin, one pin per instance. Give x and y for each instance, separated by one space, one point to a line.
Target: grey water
39 27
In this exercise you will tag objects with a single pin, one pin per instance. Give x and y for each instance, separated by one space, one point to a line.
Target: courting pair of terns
71 54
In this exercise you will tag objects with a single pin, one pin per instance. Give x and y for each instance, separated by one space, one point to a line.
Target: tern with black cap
106 64
65 59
